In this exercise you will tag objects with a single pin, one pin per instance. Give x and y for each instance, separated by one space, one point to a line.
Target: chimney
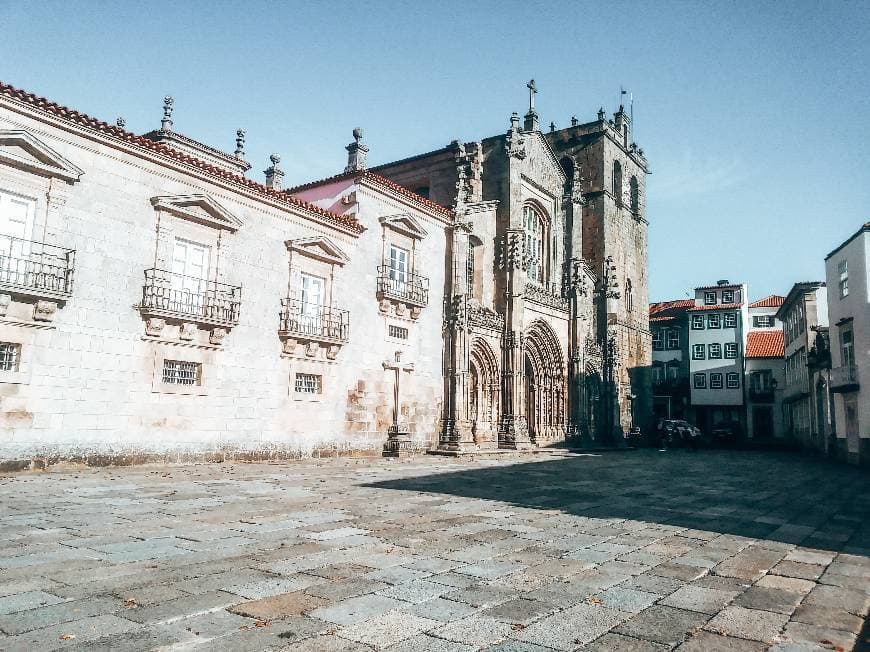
723 281
273 173
356 153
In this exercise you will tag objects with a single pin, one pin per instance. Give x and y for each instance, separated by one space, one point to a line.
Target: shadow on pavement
775 496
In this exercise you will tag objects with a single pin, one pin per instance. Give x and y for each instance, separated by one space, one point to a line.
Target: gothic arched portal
483 390
545 383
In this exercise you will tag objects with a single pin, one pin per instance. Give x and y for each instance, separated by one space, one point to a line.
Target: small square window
714 320
715 381
715 352
709 298
727 296
10 356
762 321
700 381
698 351
673 339
399 332
308 384
731 350
733 380
180 372
698 322
730 319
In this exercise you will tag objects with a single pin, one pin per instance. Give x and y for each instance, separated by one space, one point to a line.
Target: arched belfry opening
545 387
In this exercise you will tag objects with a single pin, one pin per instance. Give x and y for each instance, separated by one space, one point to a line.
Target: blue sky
754 116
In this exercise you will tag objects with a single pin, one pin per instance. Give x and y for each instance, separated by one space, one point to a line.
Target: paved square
634 550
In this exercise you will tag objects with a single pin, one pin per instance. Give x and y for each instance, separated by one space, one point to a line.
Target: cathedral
546 333
159 303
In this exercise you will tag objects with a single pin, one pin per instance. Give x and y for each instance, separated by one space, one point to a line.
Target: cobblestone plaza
634 550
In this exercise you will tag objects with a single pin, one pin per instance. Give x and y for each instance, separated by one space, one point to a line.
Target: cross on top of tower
533 90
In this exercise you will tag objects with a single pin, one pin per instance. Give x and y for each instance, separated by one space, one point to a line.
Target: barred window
309 383
10 355
180 372
398 332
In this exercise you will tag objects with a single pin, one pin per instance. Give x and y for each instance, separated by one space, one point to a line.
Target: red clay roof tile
765 344
773 301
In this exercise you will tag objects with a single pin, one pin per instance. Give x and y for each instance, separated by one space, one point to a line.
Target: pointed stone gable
321 248
405 224
23 150
199 208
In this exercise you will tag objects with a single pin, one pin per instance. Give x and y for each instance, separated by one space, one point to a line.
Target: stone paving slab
618 551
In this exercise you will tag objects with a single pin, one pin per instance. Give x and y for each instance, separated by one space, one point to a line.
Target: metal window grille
398 332
10 355
309 383
179 372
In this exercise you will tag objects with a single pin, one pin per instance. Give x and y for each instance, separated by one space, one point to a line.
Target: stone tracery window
536 242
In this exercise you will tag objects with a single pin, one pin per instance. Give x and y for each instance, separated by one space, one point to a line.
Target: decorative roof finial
574 121
120 123
273 173
601 114
240 144
531 118
356 153
166 122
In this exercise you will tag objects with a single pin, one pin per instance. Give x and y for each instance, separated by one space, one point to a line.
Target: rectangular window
698 351
847 346
311 298
715 381
709 298
732 380
398 332
673 371
727 296
730 320
657 338
16 221
698 322
308 384
700 381
657 373
715 352
762 321
179 372
843 273
731 350
714 321
398 264
673 339
761 381
10 356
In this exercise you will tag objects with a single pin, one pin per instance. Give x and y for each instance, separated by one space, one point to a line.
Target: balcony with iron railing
844 379
305 321
35 268
166 294
405 287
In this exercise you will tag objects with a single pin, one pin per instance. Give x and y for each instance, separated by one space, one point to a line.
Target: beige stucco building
155 302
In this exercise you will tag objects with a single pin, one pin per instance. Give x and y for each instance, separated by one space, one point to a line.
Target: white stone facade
85 369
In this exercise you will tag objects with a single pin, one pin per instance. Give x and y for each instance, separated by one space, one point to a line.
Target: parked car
726 433
676 432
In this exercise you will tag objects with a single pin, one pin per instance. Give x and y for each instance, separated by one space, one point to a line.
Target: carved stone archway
483 392
545 384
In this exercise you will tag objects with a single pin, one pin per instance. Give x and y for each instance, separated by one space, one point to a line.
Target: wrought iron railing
844 377
35 267
403 286
314 321
190 297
